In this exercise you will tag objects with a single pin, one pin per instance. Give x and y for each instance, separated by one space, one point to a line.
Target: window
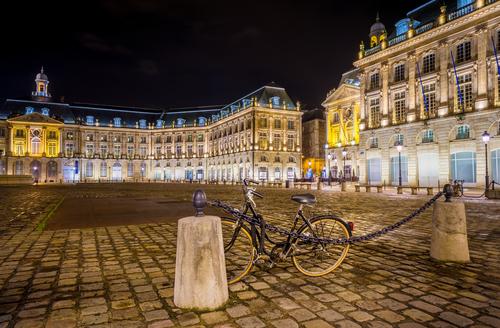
117 122
263 122
45 111
178 138
89 137
374 81
463 132
373 142
400 107
158 139
117 150
463 52
199 137
464 97
117 139
189 138
104 151
277 141
275 101
399 73
52 135
399 139
374 113
335 118
179 123
130 139
2 167
143 169
52 149
202 121
19 150
104 138
142 124
190 150
35 146
291 159
19 133
178 151
429 104
69 149
130 169
89 170
277 159
130 151
159 124
290 142
143 140
158 151
495 164
262 140
291 125
143 151
89 120
427 136
29 110
70 136
277 173
374 170
463 166
429 63
103 169
395 169
200 150
90 150
277 123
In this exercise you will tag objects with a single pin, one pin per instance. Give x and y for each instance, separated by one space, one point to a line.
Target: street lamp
399 147
329 157
486 139
344 154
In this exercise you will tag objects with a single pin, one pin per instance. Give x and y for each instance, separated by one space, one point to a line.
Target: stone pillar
449 232
443 78
362 101
411 87
386 119
200 270
482 67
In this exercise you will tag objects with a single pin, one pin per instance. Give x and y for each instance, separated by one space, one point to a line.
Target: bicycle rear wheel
238 249
318 259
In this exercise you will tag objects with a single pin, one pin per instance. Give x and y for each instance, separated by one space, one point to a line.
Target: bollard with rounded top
200 269
343 186
449 230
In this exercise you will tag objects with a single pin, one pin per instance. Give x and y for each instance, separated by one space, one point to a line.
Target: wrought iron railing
462 11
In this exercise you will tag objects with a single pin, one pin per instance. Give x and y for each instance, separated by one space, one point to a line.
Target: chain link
339 241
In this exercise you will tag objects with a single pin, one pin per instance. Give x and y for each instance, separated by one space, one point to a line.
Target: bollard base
200 271
343 186
449 233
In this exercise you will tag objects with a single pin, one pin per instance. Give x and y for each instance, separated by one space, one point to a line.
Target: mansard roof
34 118
77 113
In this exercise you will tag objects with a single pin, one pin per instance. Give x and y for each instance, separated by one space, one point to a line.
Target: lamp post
329 157
344 154
399 148
486 139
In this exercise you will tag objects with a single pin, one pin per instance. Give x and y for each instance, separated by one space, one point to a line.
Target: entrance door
428 169
35 167
69 172
116 174
374 171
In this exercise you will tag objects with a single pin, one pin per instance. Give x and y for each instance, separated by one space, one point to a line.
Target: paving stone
317 324
456 319
330 315
250 322
360 316
389 316
187 319
214 317
302 314
238 311
284 323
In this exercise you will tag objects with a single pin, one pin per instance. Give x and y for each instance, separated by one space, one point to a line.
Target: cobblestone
122 276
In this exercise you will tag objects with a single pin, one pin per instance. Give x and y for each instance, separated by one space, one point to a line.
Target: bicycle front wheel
318 259
238 249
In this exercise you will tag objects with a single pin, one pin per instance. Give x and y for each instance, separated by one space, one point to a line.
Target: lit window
291 125
429 63
464 97
463 52
400 107
374 81
399 139
142 124
463 132
117 122
374 119
90 120
29 110
275 101
180 122
202 121
429 104
45 111
399 73
159 124
463 166
428 136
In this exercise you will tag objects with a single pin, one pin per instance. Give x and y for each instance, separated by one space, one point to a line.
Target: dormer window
402 26
179 122
45 111
202 121
142 124
29 110
159 124
117 122
275 101
89 120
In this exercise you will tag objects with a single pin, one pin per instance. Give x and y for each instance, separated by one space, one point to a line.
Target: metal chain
339 241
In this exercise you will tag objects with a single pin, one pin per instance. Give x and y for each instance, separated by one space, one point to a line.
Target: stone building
313 141
257 136
432 86
342 128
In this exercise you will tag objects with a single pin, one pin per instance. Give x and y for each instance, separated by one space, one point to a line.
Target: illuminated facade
257 136
342 128
433 88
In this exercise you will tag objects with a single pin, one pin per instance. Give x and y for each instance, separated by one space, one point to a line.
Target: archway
35 168
116 173
69 172
52 170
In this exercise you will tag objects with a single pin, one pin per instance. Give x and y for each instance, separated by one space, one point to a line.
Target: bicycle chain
340 241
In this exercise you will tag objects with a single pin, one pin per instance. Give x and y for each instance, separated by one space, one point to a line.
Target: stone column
443 78
411 87
482 74
386 119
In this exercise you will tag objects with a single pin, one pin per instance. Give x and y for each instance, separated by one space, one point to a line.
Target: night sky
184 53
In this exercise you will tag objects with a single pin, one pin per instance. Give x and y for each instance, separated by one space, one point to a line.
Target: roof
350 78
77 113
312 114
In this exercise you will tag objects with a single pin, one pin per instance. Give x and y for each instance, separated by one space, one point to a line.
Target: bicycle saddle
304 199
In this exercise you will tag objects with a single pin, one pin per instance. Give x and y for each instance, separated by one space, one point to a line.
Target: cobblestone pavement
123 276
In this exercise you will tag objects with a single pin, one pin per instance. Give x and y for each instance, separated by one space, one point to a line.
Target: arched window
179 123
291 159
159 124
2 167
45 111
202 121
463 166
29 110
89 170
19 167
130 169
399 139
104 170
89 120
277 173
52 169
373 142
427 136
117 122
142 124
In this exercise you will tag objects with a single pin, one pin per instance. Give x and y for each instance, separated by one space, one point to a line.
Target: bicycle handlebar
246 181
257 194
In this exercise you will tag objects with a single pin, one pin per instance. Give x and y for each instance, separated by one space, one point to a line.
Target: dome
377 28
41 75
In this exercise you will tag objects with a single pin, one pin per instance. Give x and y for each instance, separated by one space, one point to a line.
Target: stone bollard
449 230
343 186
200 269
319 185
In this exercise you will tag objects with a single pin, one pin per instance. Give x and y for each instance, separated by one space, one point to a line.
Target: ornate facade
432 87
257 136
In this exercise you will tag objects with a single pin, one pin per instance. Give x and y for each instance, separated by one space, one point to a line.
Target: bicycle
245 242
